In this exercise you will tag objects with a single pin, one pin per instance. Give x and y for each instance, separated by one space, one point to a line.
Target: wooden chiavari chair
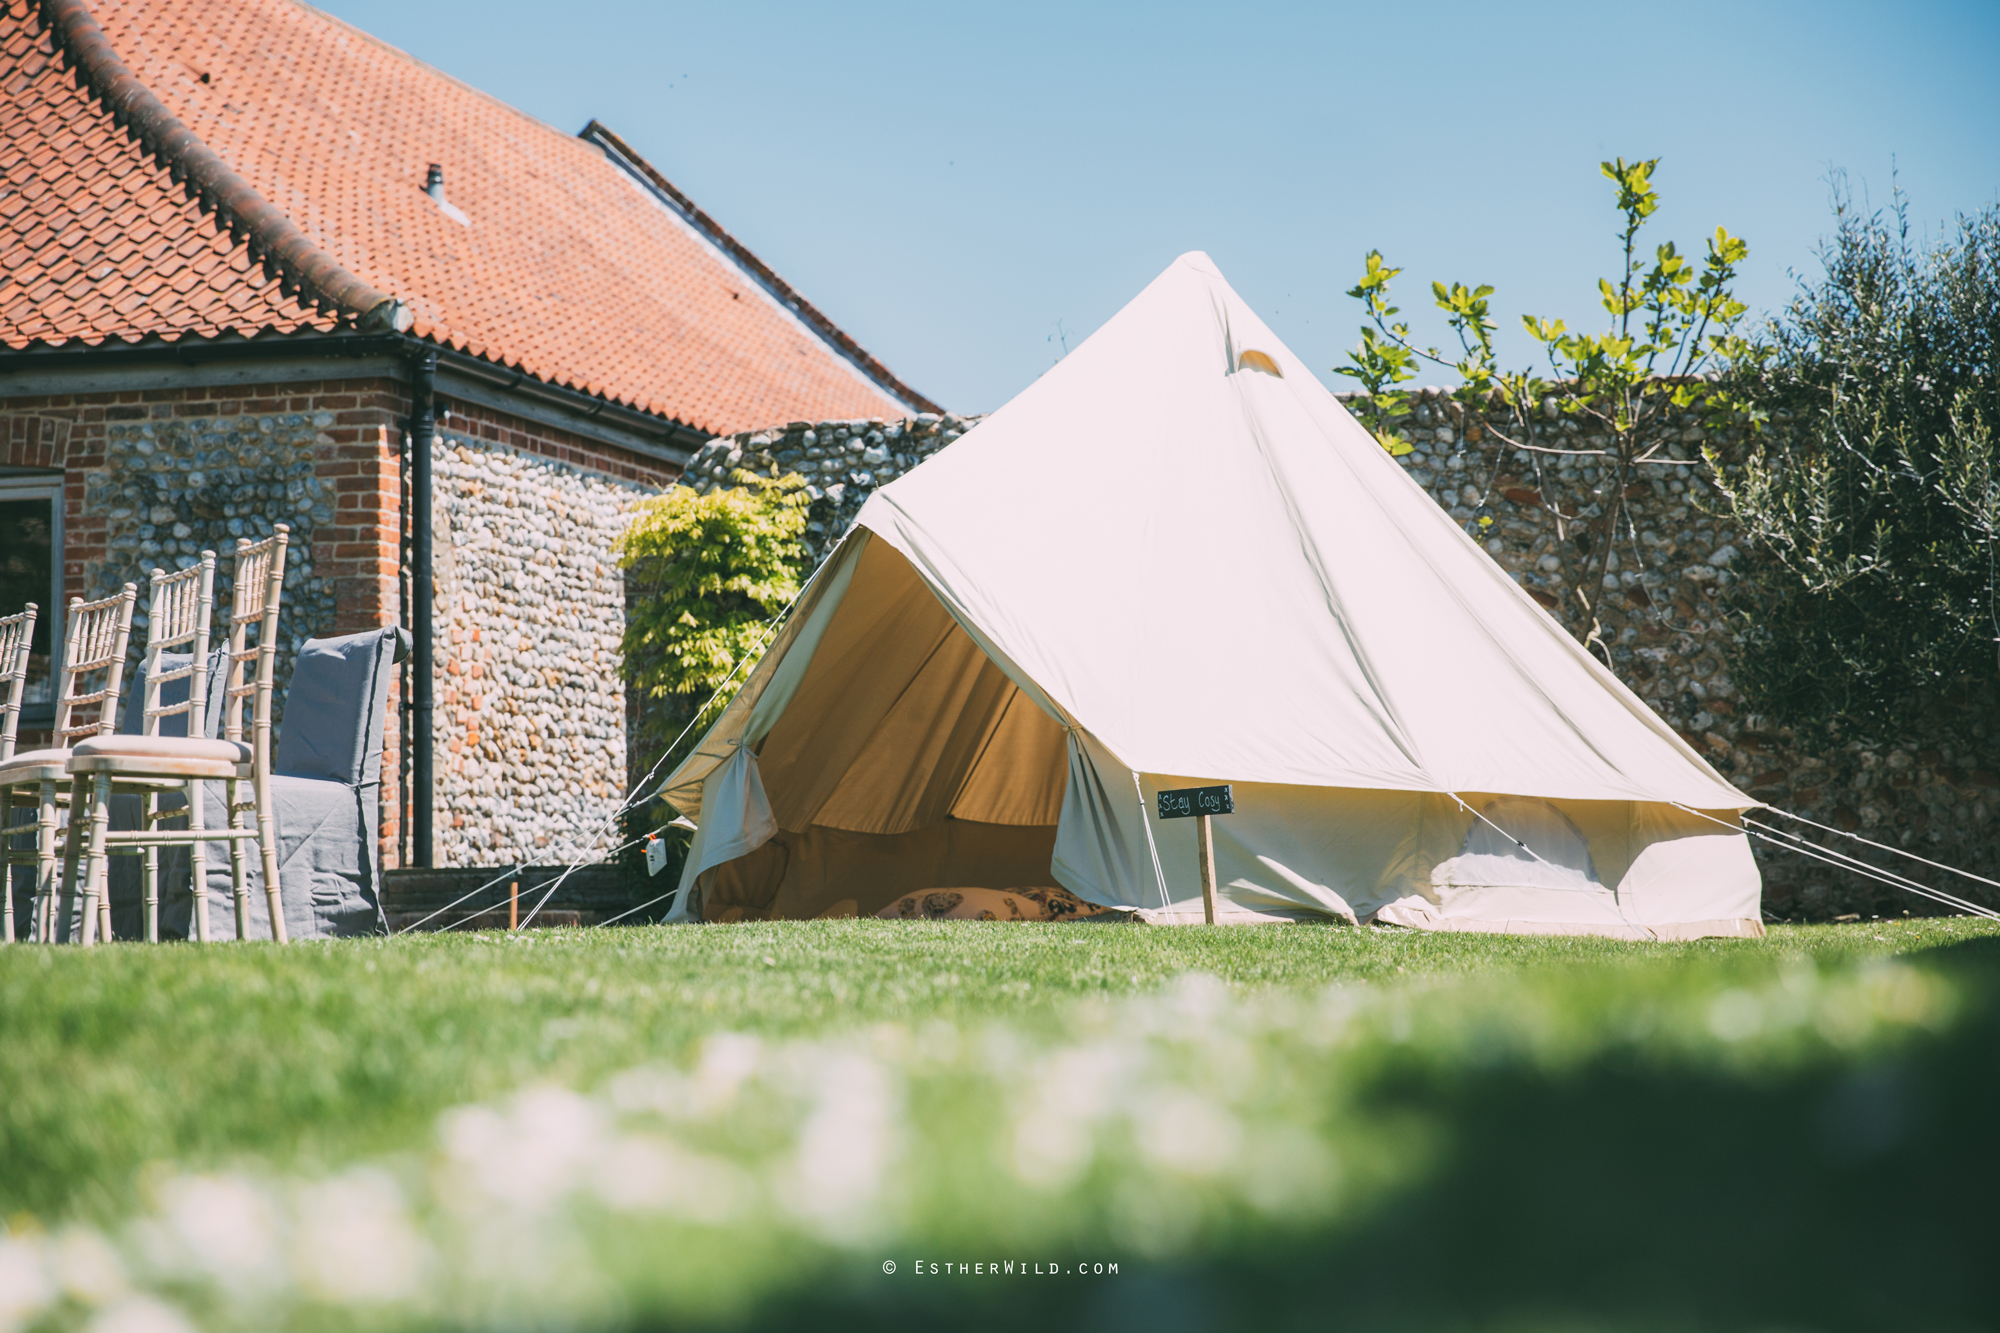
110 760
149 764
87 701
260 590
17 636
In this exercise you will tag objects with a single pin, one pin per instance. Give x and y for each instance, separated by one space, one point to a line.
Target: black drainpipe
423 425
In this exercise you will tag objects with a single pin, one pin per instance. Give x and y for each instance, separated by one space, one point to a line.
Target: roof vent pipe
434 187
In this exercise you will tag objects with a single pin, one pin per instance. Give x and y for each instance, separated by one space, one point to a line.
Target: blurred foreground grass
1287 1126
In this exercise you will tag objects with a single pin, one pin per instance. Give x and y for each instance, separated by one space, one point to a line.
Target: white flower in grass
26 1286
647 1173
355 1242
1055 1128
1287 1171
1193 1000
728 1061
225 1227
1735 1015
530 1154
141 1314
86 1267
835 1178
1186 1133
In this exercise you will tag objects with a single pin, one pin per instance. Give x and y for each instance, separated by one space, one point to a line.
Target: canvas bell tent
1177 560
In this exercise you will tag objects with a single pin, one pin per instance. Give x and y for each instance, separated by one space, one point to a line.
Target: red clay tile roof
573 269
95 240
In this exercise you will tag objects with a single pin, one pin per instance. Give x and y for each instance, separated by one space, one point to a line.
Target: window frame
39 484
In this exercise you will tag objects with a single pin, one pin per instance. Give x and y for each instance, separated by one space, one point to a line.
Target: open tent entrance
905 761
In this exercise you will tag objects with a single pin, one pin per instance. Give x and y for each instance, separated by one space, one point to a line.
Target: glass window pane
27 570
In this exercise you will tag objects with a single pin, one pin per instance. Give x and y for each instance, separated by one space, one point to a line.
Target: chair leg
7 859
45 866
197 850
7 862
239 870
149 815
267 842
71 892
96 876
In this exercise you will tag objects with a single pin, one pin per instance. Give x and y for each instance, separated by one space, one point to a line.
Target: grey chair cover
326 783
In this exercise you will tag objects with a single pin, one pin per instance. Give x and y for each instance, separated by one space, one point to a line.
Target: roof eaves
622 154
305 271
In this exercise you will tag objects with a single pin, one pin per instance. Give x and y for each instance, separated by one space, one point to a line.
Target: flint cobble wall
175 487
1656 615
843 462
152 478
530 610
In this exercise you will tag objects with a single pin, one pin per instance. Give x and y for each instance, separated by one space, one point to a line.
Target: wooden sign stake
1200 804
1205 838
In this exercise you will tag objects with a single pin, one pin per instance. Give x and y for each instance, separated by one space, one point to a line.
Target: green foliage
1672 327
1386 357
1875 511
708 574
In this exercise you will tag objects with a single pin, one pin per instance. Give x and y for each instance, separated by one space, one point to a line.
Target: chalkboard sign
1187 802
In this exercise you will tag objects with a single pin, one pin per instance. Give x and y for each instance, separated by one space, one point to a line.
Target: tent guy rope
1841 861
641 791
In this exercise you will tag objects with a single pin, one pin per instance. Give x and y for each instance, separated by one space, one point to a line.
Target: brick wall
158 475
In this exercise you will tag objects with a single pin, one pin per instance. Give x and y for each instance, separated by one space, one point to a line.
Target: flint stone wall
530 692
843 463
173 487
1656 615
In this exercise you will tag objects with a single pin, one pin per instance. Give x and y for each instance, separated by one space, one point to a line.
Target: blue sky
962 187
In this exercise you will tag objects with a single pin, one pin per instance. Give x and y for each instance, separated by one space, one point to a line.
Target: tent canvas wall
1176 559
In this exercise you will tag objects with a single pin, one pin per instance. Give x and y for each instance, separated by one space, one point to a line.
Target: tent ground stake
514 905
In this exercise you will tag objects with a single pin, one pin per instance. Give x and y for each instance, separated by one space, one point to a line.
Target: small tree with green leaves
706 576
1874 511
1673 327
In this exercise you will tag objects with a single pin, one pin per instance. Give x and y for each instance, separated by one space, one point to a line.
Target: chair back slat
17 637
182 610
94 666
260 587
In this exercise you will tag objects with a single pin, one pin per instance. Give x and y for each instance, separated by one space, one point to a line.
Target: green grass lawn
672 1124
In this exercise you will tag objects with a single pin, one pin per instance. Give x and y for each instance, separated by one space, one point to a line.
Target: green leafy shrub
707 574
1873 511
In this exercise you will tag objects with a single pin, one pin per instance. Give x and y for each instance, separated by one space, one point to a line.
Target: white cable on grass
640 908
1870 872
640 792
470 917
